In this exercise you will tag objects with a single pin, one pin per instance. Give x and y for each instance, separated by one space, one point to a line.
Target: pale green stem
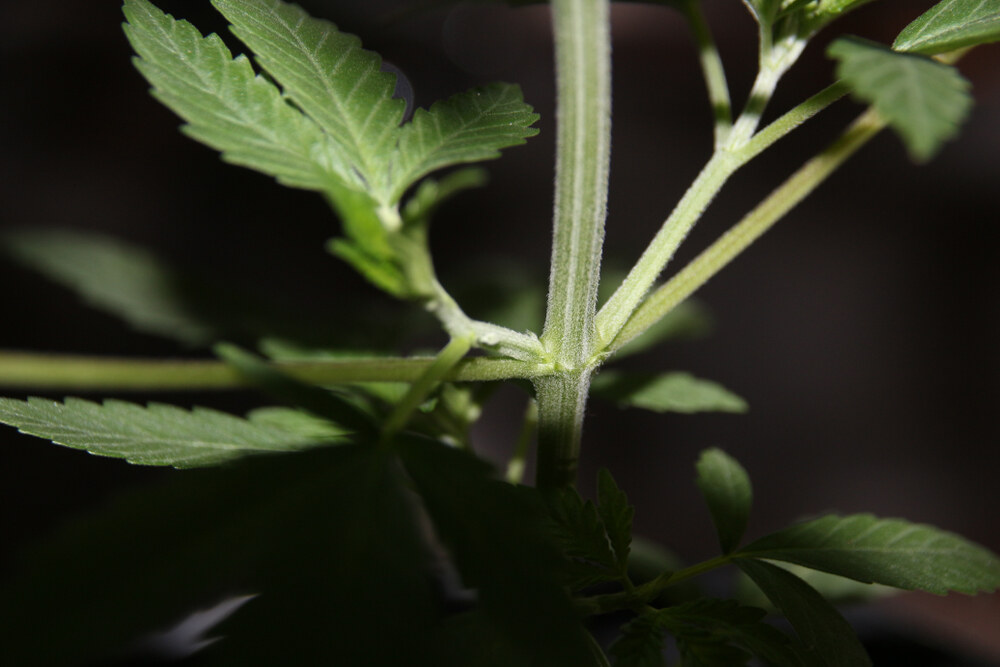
515 467
712 69
661 249
751 227
780 127
60 372
422 387
583 143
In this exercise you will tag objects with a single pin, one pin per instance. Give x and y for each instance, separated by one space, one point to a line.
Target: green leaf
578 530
616 515
497 536
296 421
726 488
828 639
332 79
883 551
339 585
320 402
829 9
162 435
706 622
923 100
640 644
950 25
837 590
467 127
225 104
666 392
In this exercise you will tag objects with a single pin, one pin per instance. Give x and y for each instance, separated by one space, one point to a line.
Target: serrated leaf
923 100
329 579
950 25
321 402
640 644
836 590
827 638
296 421
892 552
726 488
708 621
331 78
467 127
159 434
666 392
578 530
616 514
496 533
226 105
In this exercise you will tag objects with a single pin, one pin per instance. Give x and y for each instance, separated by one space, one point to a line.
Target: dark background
863 330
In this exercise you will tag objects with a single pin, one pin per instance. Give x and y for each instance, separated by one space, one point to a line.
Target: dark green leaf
337 584
837 590
827 638
923 100
640 644
884 551
320 402
579 532
726 488
152 296
162 435
616 514
950 25
706 622
666 392
497 535
226 105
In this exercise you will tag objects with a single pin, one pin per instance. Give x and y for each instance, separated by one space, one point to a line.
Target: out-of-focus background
863 330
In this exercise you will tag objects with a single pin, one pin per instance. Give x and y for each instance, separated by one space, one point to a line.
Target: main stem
583 147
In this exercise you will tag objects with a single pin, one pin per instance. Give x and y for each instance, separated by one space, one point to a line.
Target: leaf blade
331 78
224 103
666 392
726 488
892 552
923 100
827 637
467 127
616 514
950 25
159 434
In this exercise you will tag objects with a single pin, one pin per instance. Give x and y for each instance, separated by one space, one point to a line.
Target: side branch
58 372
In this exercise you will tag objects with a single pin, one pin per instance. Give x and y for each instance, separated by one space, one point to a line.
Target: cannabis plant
353 519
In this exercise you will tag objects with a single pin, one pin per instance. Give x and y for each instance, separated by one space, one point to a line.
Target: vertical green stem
583 145
713 71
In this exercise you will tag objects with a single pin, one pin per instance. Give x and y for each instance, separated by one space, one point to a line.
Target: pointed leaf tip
726 488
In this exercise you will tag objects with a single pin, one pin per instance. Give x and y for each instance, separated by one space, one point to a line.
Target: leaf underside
158 434
666 392
892 552
923 100
726 488
950 25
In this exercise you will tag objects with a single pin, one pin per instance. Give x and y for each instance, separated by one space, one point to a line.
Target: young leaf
580 533
706 622
640 644
467 127
496 533
883 551
950 25
667 392
158 434
726 488
225 104
828 639
923 100
616 515
331 78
